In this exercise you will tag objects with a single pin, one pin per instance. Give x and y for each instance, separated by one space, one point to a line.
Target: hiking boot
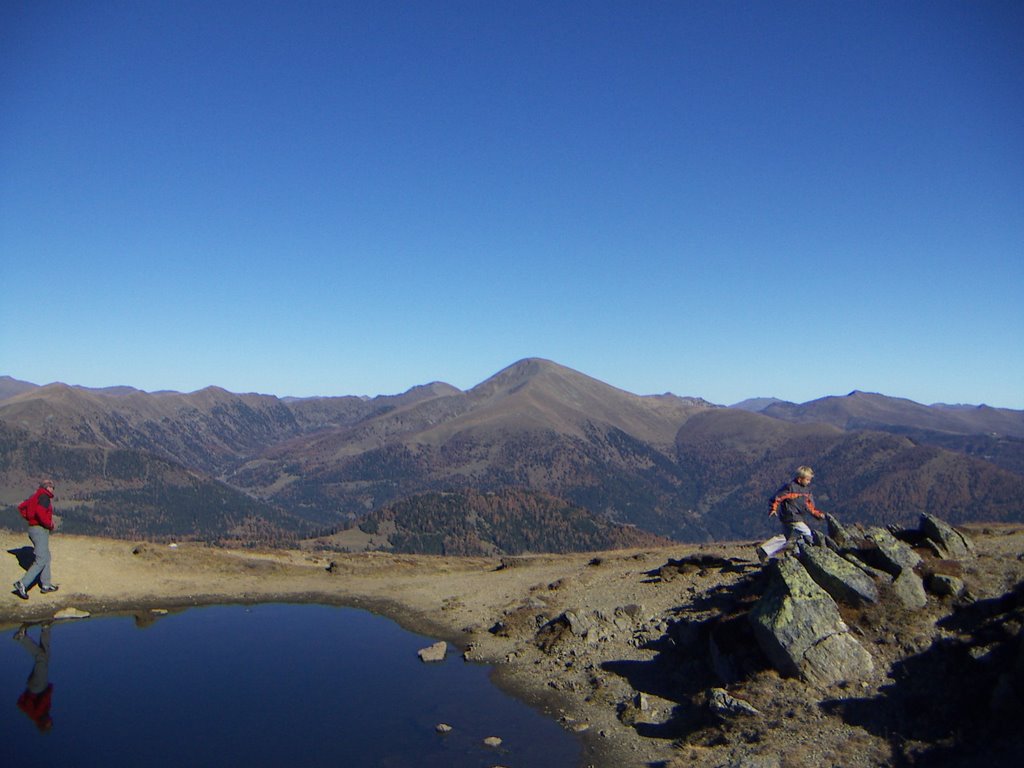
19 590
50 588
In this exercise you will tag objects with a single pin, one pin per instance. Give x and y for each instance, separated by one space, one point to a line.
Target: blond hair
804 472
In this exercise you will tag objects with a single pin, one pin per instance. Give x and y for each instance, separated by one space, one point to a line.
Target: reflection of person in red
35 701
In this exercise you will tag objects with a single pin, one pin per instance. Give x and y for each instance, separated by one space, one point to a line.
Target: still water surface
265 685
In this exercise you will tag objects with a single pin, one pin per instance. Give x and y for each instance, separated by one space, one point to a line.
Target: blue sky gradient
718 199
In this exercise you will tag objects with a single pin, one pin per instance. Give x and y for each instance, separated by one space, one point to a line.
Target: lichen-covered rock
950 542
909 589
844 581
891 554
798 626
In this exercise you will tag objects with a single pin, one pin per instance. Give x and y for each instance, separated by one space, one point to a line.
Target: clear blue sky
717 199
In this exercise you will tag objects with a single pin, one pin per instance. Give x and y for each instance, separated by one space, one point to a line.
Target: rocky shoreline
663 657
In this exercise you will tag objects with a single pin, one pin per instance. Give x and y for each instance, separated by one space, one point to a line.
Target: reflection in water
265 685
35 701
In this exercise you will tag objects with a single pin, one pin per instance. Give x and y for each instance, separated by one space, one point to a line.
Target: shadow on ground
959 702
710 643
25 556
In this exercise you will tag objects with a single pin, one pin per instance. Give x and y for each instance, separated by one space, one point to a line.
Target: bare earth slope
599 640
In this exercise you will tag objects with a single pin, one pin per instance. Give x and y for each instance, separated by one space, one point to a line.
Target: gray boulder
950 542
892 555
840 578
579 624
946 586
909 589
799 628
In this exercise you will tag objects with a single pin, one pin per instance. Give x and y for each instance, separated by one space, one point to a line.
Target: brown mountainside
675 466
133 494
511 521
736 459
535 424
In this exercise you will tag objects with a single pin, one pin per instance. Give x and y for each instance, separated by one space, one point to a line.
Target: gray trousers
792 532
39 678
41 565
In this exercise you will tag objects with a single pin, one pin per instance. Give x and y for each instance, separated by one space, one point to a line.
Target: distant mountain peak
757 404
523 372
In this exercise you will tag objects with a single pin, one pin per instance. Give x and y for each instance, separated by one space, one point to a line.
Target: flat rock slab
71 613
844 581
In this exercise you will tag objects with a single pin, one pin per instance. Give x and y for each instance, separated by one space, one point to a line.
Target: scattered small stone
492 741
443 728
723 703
943 585
435 652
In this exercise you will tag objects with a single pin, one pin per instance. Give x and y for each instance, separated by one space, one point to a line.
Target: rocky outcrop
889 553
949 542
898 559
798 626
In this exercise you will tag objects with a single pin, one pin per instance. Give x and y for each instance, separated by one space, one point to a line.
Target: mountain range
217 465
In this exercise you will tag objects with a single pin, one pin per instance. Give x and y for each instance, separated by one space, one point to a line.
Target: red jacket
38 508
37 706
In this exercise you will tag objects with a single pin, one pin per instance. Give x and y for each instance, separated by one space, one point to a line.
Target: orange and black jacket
792 502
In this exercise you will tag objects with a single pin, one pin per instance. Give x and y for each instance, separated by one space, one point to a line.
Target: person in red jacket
37 510
791 503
